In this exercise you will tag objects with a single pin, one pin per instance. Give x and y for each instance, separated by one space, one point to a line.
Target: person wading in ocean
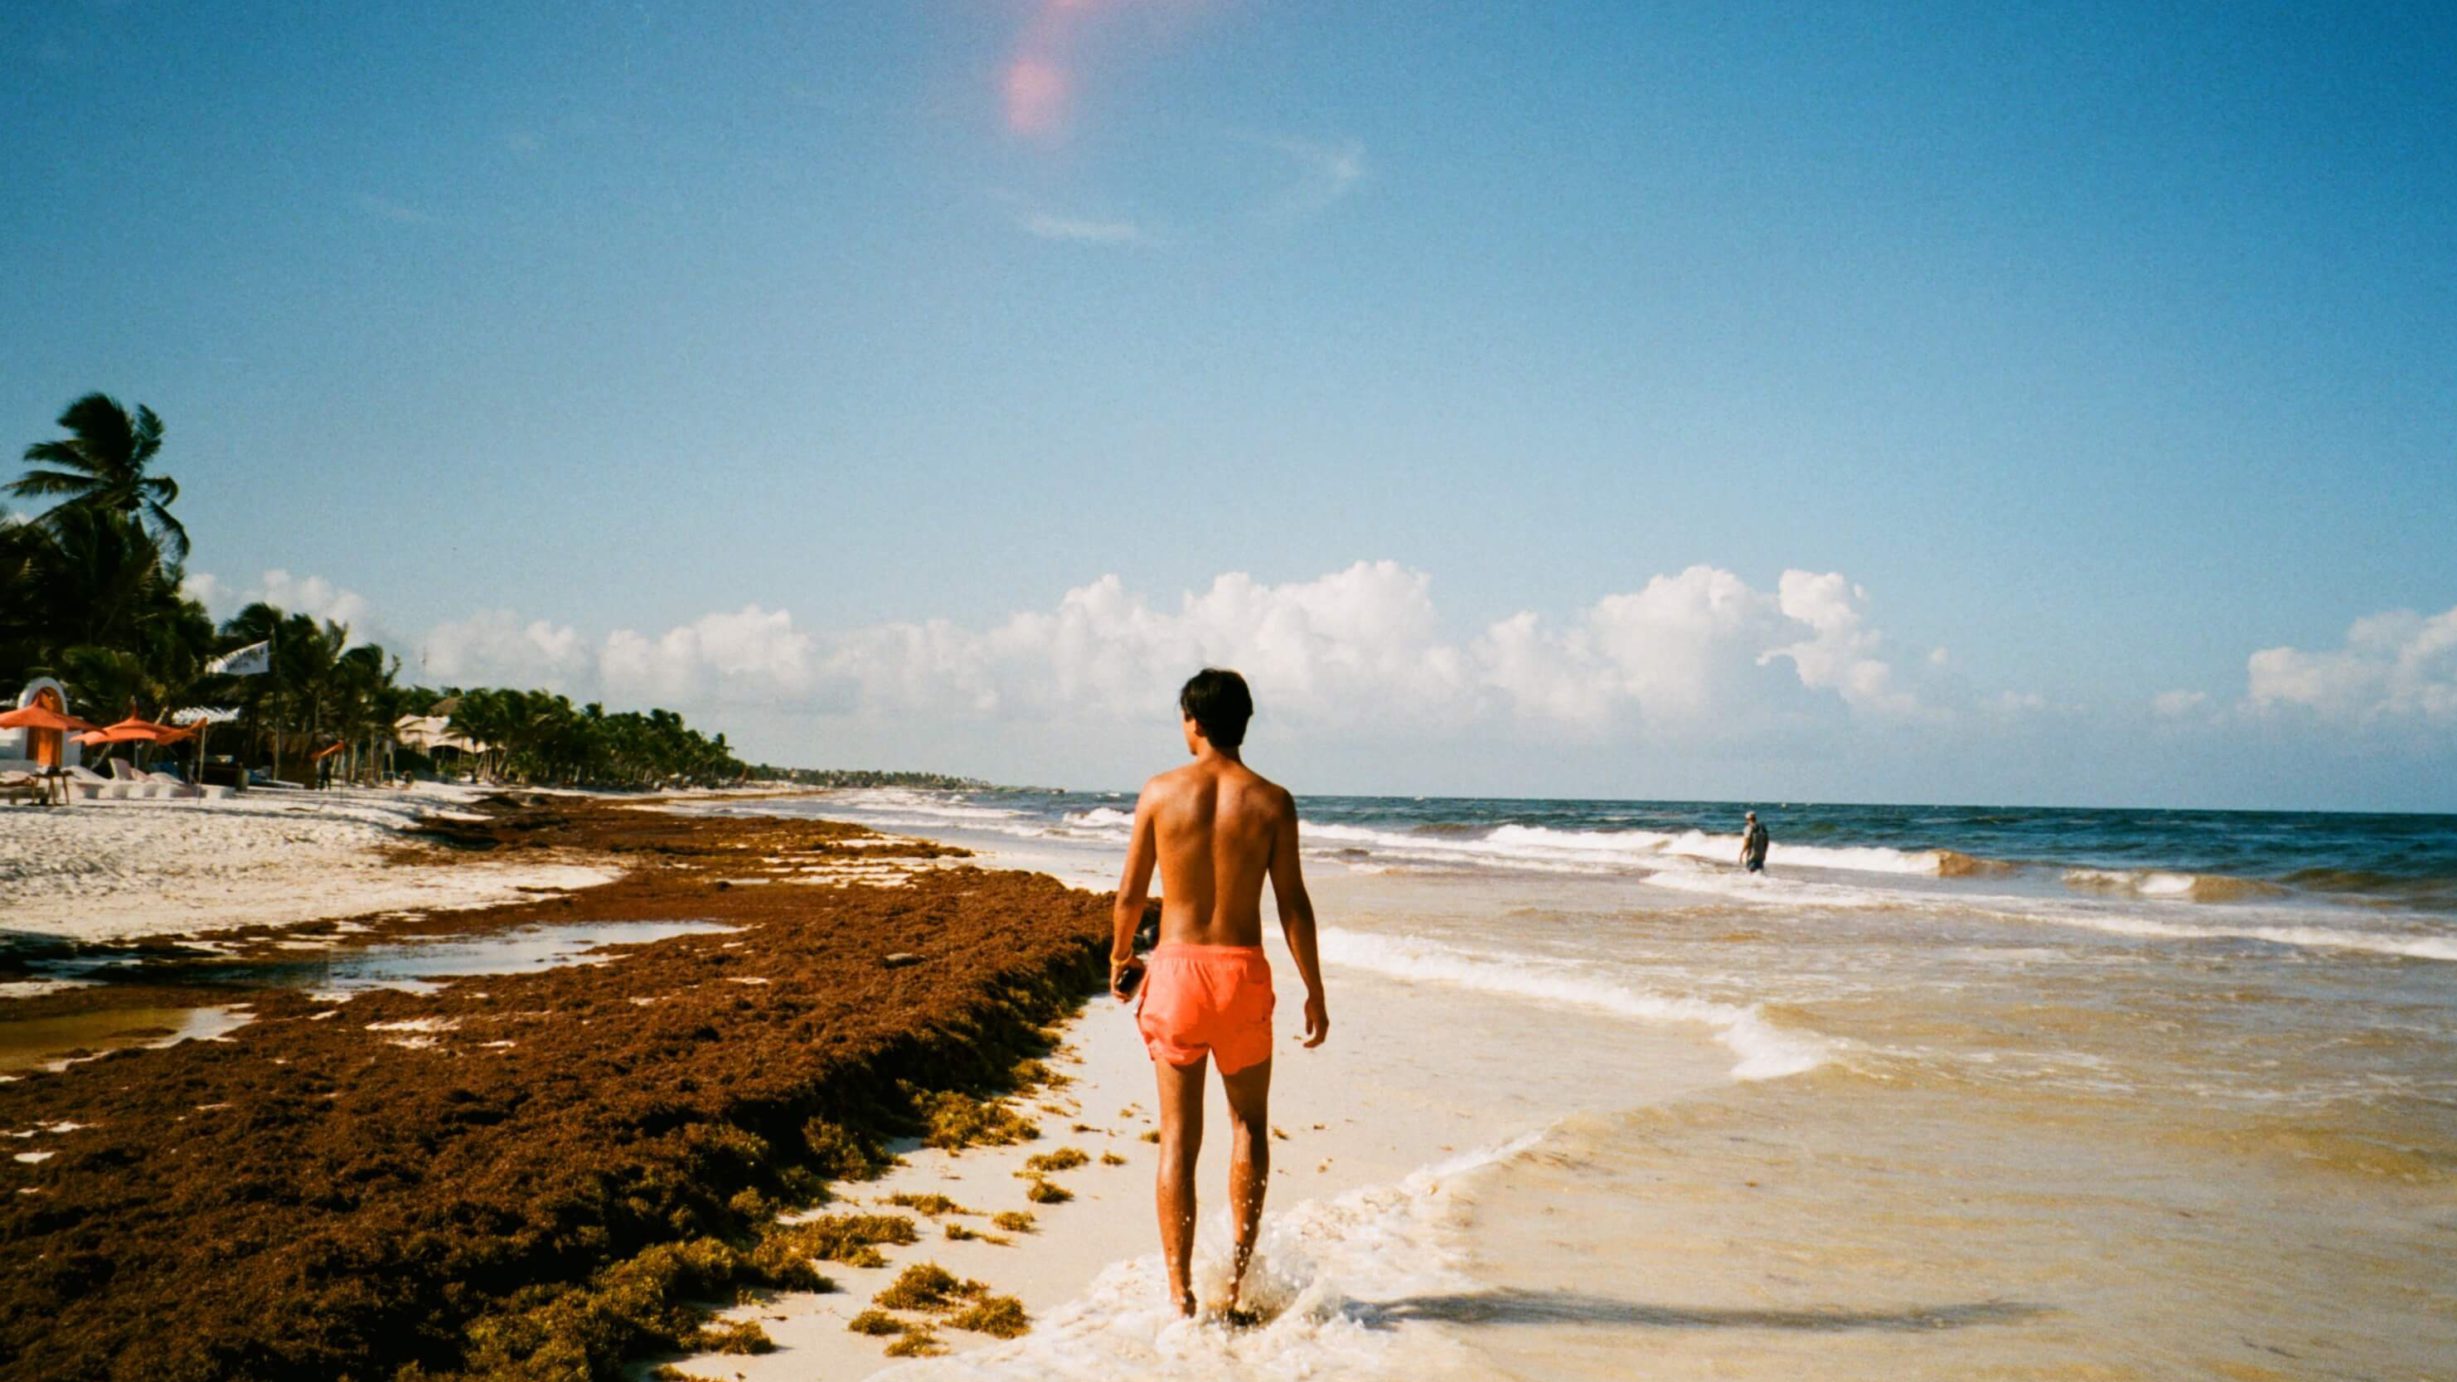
1215 829
1753 845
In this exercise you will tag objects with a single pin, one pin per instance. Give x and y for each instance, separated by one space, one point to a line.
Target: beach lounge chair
139 786
172 785
84 784
23 787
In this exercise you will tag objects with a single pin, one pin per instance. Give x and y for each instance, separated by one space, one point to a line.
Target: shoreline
551 1164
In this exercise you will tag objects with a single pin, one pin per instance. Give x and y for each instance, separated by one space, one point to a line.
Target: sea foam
1324 1277
1766 1052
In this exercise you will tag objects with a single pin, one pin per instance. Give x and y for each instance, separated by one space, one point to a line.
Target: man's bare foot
1185 1305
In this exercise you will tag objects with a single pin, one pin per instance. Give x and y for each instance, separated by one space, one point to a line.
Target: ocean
1978 1091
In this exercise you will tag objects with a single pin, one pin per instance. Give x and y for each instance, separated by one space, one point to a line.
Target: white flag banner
202 715
253 660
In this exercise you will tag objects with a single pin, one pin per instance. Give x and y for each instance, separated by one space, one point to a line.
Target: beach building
38 750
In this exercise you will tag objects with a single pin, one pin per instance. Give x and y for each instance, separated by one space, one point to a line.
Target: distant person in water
1216 829
1753 845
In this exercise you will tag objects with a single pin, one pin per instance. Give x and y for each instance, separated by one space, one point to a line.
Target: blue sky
2102 347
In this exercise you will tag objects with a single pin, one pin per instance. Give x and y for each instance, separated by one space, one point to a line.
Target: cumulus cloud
1839 654
2399 666
1359 650
752 654
495 648
1363 648
309 595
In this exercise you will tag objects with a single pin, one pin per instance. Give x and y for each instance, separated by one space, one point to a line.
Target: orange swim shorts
1206 998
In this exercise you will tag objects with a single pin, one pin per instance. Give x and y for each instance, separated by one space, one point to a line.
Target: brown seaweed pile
542 1175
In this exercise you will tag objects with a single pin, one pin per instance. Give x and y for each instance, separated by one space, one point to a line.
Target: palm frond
62 453
36 483
173 534
147 435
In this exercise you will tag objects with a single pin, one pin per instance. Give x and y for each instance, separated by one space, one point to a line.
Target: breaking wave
1766 1052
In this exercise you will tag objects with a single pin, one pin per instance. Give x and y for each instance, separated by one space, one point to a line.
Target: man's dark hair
1217 700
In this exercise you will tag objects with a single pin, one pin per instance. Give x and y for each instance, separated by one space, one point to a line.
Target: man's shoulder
1272 794
1165 780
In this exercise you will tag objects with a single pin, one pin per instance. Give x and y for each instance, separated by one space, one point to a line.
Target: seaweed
558 1206
1000 1317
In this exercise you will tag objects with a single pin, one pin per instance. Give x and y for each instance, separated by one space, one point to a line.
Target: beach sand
118 870
1371 1144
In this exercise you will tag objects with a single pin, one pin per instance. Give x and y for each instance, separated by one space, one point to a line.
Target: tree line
91 593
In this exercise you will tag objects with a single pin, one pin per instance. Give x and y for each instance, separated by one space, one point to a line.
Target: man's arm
1134 889
1297 919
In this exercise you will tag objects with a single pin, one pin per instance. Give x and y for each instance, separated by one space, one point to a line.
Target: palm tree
101 465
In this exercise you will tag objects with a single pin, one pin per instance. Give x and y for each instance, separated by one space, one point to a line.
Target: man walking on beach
1753 845
1216 829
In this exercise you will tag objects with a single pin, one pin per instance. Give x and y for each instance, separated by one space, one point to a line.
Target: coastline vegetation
94 593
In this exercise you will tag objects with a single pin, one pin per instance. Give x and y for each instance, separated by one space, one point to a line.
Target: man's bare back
1214 824
1214 830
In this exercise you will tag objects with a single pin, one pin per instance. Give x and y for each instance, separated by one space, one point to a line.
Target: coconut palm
101 465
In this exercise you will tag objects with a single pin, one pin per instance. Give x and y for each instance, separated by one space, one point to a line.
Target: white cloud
2174 704
2397 666
1082 232
1840 654
494 648
1362 649
309 595
752 655
1358 651
203 587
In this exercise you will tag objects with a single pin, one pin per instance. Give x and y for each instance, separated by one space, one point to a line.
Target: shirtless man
1216 829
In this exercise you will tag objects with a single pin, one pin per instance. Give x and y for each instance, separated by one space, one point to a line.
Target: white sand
1353 1207
116 870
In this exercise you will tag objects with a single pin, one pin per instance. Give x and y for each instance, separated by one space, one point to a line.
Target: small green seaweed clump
1047 1192
1112 1159
1014 1221
954 1121
1063 1159
927 1286
842 1154
875 1323
1033 1074
847 1238
734 1336
1000 1317
919 1341
647 1302
932 1205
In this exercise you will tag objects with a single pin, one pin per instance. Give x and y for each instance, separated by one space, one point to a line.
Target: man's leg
1249 1101
1181 1140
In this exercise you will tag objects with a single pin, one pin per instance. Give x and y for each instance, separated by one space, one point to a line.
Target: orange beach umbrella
39 716
135 731
329 750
